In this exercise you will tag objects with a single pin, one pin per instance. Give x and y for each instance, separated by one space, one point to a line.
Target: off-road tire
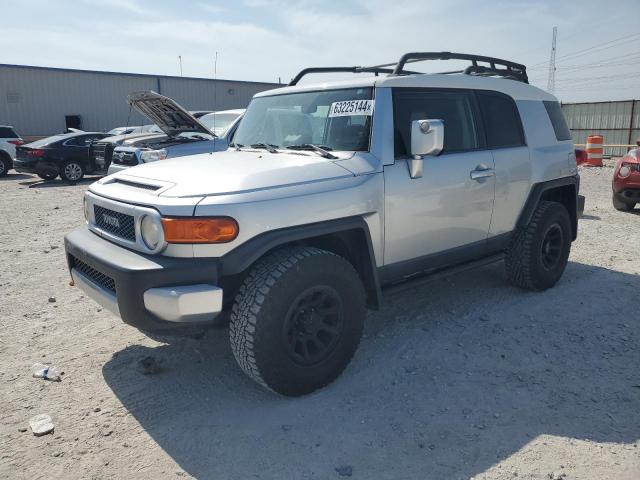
47 176
525 262
64 174
263 305
5 165
620 205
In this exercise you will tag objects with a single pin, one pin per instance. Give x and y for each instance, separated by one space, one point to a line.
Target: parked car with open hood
184 134
333 191
9 140
66 155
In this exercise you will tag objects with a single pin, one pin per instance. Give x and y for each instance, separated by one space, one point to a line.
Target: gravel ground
464 377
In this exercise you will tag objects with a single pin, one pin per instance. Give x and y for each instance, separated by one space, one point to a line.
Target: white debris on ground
41 425
462 378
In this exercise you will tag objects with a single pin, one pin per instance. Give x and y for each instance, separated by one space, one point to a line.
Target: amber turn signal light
200 230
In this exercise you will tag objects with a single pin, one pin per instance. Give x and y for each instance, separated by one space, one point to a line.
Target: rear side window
456 109
557 120
501 120
8 132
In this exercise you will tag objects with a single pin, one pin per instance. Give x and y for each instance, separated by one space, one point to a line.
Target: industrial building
42 101
617 122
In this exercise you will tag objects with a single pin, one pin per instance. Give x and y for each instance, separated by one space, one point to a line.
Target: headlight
85 207
624 171
153 155
151 231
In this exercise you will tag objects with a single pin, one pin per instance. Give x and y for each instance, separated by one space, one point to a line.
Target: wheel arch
561 190
348 237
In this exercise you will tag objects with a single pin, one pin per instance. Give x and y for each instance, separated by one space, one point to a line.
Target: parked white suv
332 192
184 134
9 140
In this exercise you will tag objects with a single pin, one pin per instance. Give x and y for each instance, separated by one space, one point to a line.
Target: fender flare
536 193
242 257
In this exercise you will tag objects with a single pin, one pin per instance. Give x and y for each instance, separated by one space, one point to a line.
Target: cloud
267 39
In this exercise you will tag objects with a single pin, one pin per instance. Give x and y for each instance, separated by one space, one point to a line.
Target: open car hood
170 117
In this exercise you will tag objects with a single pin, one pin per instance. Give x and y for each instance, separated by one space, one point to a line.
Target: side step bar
418 280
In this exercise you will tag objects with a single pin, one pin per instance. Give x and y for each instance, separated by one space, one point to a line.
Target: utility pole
551 83
180 62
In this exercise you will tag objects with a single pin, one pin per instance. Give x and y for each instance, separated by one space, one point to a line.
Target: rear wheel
297 320
622 206
71 172
538 253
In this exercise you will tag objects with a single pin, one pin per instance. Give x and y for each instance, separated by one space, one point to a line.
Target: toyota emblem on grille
109 220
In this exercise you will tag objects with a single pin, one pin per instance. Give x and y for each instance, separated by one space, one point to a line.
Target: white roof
515 89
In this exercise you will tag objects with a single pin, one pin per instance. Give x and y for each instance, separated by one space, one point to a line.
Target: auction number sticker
349 108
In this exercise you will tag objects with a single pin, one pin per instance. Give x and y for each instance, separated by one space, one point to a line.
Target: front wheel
538 253
297 319
622 206
47 176
71 172
4 166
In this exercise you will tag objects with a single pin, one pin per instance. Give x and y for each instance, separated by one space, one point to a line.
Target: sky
598 47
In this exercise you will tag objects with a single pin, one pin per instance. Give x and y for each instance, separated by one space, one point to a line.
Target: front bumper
152 293
628 195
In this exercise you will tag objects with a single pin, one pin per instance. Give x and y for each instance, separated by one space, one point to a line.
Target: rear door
506 140
448 210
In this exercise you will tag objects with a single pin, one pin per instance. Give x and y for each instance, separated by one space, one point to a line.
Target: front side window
332 119
454 108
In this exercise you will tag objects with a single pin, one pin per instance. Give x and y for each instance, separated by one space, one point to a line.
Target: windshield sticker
350 108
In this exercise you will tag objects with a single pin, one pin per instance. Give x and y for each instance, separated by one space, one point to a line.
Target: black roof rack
377 70
495 67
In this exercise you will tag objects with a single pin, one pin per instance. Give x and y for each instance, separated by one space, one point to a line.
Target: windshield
218 123
332 119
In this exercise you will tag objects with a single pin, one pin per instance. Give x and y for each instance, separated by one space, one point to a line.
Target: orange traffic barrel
594 150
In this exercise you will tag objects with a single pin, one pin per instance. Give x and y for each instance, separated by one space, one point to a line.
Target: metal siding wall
196 94
609 119
35 101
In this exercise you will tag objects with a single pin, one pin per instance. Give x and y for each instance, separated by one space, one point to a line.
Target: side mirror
427 138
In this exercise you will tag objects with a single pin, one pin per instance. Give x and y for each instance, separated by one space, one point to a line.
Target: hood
232 172
170 117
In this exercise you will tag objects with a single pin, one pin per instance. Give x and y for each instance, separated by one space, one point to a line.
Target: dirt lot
464 377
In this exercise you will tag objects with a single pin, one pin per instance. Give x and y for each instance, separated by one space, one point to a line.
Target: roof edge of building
146 75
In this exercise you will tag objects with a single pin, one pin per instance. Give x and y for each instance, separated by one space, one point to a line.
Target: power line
599 47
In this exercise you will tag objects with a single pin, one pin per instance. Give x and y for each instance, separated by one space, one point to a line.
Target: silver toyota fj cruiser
330 193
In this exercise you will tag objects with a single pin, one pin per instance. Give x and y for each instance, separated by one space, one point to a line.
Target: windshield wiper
237 146
270 147
321 149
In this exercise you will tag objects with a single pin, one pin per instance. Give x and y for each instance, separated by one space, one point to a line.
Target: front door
445 214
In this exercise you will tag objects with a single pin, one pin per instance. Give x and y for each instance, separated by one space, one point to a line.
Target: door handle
479 173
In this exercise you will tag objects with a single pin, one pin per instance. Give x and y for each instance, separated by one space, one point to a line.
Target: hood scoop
143 186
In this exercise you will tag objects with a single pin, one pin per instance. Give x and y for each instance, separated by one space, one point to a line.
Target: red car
626 181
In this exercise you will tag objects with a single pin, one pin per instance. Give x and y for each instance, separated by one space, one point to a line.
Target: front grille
124 158
119 224
95 276
101 153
